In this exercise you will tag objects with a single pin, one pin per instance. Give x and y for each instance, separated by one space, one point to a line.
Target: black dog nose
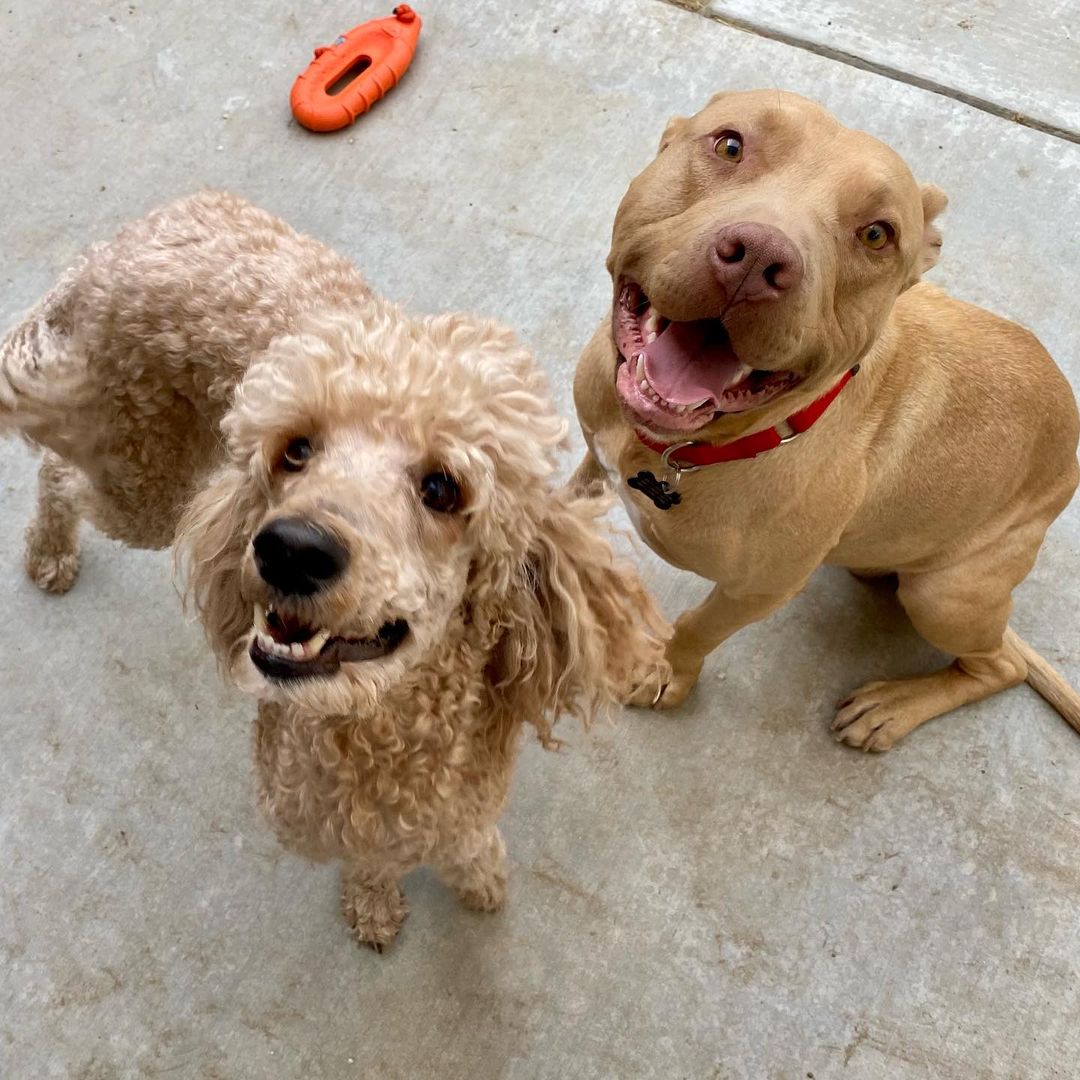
297 557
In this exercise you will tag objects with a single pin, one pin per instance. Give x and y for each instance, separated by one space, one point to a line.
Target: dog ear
675 127
934 200
211 541
581 630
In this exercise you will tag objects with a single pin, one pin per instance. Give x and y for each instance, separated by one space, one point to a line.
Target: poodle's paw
878 715
488 894
475 867
374 912
50 569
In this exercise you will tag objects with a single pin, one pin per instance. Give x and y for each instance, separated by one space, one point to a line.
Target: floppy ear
675 127
580 630
211 541
934 200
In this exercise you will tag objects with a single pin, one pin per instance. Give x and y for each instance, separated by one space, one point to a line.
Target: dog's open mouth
678 376
285 647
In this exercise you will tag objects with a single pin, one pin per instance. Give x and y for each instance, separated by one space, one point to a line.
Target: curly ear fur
211 540
580 630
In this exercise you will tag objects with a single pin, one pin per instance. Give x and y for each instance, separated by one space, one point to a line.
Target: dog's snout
755 262
298 557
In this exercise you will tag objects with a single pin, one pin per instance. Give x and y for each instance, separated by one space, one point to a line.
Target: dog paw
475 868
647 687
646 692
487 895
662 690
875 717
676 691
374 913
55 572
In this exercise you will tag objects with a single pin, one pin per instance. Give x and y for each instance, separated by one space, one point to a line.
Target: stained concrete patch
719 893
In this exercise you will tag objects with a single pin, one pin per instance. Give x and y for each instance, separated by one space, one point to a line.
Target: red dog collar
688 456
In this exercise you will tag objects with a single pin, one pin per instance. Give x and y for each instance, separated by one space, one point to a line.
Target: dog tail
40 371
1046 682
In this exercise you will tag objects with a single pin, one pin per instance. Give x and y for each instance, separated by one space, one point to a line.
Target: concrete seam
896 74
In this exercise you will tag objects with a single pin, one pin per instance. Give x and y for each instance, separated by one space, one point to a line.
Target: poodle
365 510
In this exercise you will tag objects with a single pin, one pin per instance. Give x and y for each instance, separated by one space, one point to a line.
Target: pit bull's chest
731 518
687 524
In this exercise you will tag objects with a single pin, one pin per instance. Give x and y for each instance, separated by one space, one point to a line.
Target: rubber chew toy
376 53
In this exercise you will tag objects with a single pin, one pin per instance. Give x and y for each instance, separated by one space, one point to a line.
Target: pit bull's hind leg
963 610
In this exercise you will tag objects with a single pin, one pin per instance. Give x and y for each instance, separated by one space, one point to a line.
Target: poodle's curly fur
164 376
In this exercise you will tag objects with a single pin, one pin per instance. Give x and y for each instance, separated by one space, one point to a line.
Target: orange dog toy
345 79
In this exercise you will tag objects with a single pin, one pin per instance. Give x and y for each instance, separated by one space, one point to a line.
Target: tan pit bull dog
766 255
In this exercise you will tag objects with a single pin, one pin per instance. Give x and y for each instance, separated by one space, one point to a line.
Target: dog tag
662 494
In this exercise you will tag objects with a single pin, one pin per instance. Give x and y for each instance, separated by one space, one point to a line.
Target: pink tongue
690 361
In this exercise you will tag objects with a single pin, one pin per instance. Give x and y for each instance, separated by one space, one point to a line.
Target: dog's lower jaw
696 376
343 694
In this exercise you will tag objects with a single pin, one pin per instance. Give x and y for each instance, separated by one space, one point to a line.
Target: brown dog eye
440 493
875 235
296 454
729 146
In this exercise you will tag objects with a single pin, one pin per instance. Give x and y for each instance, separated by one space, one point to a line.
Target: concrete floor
719 893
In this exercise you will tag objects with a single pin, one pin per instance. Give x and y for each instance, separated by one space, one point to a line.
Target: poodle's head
389 484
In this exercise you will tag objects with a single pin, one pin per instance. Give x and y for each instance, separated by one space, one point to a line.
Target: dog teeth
260 619
650 337
275 648
744 371
296 650
652 321
651 395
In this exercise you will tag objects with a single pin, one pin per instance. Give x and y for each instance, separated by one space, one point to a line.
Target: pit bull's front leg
702 629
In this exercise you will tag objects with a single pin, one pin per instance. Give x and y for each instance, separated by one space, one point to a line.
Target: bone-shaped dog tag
662 494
